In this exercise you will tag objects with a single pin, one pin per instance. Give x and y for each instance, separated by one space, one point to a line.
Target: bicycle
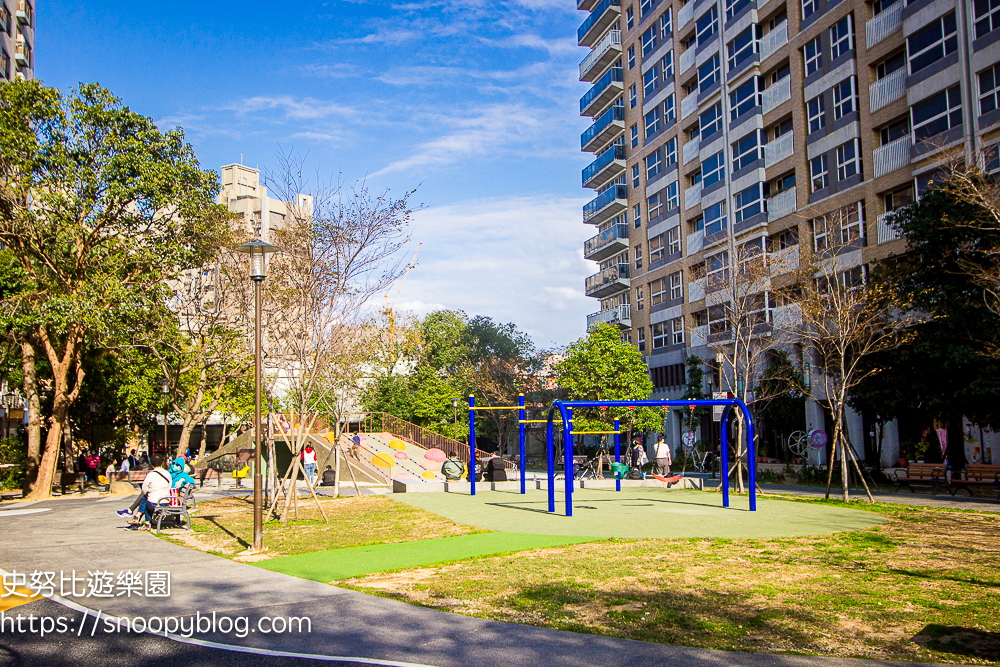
590 471
798 443
694 455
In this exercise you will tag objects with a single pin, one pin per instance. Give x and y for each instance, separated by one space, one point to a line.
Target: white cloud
297 108
515 260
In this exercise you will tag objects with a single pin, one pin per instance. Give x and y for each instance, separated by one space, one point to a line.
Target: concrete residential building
17 43
750 121
242 192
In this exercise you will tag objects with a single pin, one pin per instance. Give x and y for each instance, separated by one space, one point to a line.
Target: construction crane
389 311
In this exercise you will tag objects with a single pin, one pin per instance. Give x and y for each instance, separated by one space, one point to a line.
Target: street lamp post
93 411
165 386
454 405
257 249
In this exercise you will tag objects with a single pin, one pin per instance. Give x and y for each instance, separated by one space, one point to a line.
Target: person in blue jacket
178 473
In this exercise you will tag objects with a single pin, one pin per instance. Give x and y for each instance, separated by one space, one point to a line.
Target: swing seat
620 470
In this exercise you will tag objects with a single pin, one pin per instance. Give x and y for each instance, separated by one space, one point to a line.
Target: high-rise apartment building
739 123
17 43
242 192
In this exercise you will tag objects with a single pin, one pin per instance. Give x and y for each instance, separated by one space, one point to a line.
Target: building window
677 331
708 74
991 159
652 122
632 96
746 151
635 134
660 335
816 112
819 171
707 25
813 52
672 201
783 240
744 99
808 8
670 152
852 222
4 19
648 40
639 303
987 16
936 114
638 256
733 7
641 339
654 208
669 112
667 65
658 291
674 237
848 160
713 169
841 37
711 121
676 286
715 218
843 98
932 42
650 80
666 24
645 6
637 215
631 56
899 198
748 203
629 18
4 64
635 176
656 248
741 48
654 164
821 234
717 268
989 87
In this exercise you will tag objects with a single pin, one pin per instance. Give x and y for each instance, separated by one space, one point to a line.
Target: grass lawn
225 527
924 585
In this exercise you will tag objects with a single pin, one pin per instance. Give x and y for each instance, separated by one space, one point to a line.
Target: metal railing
687 59
610 154
774 40
620 314
886 231
688 105
781 204
611 234
894 155
882 25
888 89
777 150
594 206
692 196
690 150
613 75
595 16
685 14
776 94
608 276
609 41
603 121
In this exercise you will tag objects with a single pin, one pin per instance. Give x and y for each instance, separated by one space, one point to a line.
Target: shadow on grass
970 642
212 519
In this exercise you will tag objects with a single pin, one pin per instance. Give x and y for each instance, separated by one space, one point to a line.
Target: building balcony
692 196
685 15
608 164
606 205
882 25
689 105
784 261
604 90
777 94
603 54
585 5
23 12
773 40
779 149
699 336
620 316
601 17
608 243
887 90
687 60
608 282
22 52
885 231
604 129
894 155
696 290
781 204
690 150
787 319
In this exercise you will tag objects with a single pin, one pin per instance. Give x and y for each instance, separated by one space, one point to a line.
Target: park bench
133 476
978 475
184 504
932 476
71 479
204 473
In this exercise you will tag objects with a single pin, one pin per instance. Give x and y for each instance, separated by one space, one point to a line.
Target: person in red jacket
93 464
309 463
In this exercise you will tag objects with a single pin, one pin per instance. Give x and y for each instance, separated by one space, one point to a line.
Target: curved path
84 535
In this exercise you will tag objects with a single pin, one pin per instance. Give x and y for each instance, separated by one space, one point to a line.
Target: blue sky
475 103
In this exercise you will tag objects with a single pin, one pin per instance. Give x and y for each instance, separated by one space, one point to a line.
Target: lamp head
257 249
93 407
165 386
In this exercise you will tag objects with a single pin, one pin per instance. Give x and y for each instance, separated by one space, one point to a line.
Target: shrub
13 449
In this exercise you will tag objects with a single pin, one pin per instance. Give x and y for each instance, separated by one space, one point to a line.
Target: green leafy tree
99 207
692 389
600 367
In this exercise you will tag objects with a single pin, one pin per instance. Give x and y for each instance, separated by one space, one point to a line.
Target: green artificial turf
356 561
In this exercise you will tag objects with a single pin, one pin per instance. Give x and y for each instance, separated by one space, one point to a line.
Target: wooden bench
71 479
133 476
932 476
981 475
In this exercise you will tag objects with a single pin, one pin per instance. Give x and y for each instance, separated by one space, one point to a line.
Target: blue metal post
550 448
618 456
753 466
472 444
520 403
568 461
724 472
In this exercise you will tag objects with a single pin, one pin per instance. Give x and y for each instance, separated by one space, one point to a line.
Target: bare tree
339 249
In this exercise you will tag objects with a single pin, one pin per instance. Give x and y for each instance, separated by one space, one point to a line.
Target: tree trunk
34 416
832 455
843 468
204 439
185 440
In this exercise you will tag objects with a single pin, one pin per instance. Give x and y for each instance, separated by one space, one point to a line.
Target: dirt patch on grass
860 594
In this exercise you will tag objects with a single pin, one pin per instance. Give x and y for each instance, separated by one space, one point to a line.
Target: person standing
93 464
309 463
661 453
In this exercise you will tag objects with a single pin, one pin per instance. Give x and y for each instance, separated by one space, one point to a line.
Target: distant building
243 193
17 42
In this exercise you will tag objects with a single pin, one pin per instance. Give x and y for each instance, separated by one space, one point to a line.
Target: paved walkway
84 535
